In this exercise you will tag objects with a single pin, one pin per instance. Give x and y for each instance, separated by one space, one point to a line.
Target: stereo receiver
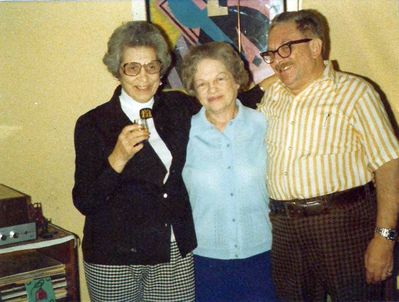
15 222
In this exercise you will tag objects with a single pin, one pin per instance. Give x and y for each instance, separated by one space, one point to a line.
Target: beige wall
51 72
365 40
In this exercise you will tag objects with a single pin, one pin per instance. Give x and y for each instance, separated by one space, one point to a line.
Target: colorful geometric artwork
242 23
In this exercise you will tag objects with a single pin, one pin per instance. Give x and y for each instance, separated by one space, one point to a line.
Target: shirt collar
205 123
131 107
329 74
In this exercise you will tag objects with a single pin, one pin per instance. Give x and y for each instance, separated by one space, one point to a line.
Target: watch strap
389 234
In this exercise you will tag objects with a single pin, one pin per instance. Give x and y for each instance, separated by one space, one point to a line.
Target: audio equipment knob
13 235
3 237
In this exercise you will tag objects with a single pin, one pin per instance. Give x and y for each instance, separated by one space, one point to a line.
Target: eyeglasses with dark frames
283 50
134 68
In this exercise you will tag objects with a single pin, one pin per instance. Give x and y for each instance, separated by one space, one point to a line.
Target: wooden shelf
60 245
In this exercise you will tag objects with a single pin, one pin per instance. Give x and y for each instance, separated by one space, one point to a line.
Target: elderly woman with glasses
139 232
225 175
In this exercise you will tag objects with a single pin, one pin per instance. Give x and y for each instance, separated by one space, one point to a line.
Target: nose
212 86
277 58
276 61
142 74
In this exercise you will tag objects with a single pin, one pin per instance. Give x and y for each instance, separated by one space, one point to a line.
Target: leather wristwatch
390 234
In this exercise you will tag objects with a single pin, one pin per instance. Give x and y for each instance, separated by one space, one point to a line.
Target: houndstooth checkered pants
173 281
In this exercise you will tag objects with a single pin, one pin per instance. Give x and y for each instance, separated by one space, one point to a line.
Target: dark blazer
129 215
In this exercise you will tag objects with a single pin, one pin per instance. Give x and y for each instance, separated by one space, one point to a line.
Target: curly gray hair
136 34
220 51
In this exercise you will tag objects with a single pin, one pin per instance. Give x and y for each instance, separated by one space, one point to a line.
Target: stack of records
18 269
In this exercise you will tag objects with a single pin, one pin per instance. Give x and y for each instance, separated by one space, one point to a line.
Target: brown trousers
324 254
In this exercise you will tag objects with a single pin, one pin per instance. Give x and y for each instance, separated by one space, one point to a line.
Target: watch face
387 233
392 235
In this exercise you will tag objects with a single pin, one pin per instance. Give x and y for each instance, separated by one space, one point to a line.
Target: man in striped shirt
330 144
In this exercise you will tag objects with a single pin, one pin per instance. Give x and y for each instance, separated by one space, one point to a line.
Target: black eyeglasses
134 68
283 51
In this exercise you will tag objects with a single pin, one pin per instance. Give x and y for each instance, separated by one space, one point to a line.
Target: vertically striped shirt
329 138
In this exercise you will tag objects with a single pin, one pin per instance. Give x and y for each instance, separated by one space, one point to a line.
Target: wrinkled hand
130 141
379 259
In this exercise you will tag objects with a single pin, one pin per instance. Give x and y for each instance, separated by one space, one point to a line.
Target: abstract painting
242 23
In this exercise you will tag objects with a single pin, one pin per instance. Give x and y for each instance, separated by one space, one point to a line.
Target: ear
316 47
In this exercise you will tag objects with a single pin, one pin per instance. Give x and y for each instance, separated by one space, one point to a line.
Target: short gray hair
136 34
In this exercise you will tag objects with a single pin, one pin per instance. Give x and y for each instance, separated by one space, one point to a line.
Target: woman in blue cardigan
225 177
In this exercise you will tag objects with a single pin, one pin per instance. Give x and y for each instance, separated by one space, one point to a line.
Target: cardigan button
165 195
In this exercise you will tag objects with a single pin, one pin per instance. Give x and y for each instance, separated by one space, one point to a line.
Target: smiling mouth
283 67
142 87
213 98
